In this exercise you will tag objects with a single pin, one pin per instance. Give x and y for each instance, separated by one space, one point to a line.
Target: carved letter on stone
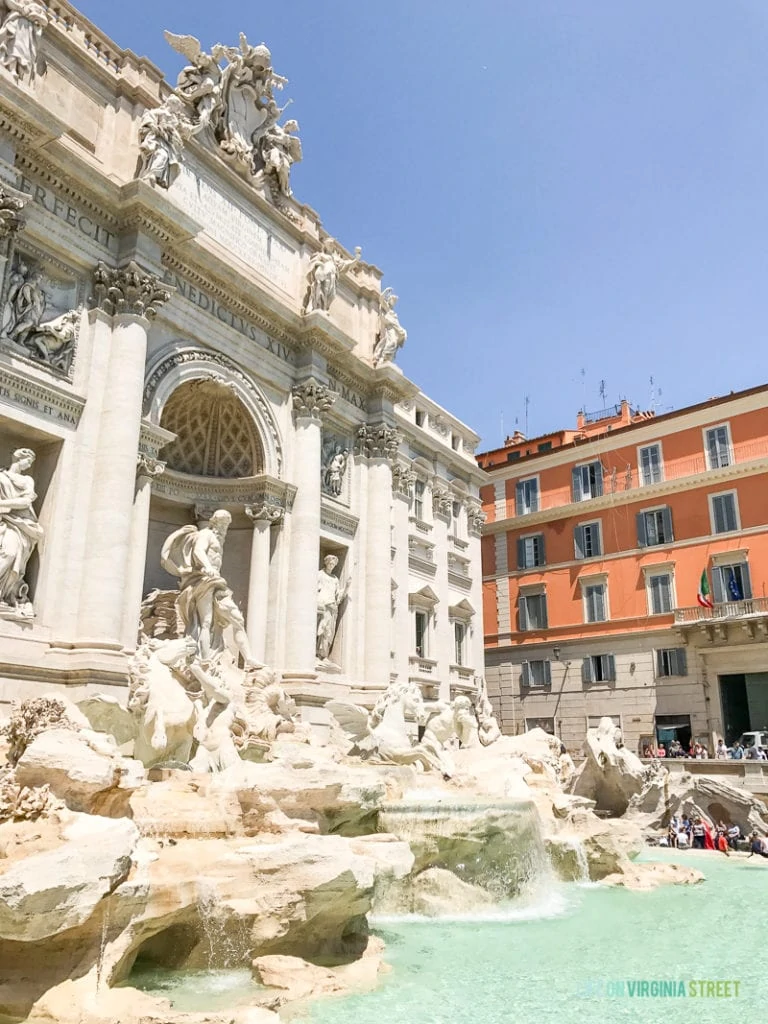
20 37
128 289
20 531
312 399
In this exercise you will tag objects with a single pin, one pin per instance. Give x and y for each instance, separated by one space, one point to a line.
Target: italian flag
703 595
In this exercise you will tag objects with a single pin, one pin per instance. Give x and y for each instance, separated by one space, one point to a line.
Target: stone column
147 468
310 400
403 480
263 518
132 298
443 652
379 445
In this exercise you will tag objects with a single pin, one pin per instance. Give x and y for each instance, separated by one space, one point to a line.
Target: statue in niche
334 469
20 531
24 305
20 35
392 335
325 268
206 606
330 594
162 134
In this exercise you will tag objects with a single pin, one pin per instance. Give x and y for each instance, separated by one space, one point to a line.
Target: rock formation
611 774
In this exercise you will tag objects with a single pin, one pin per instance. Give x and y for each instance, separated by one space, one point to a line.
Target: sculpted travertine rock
611 774
33 717
20 34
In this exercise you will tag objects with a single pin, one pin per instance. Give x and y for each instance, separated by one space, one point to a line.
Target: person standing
698 834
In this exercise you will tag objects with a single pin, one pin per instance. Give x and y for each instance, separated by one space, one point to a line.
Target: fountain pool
559 959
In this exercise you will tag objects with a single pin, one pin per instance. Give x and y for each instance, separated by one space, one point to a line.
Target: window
459 640
530 551
731 582
547 724
420 417
545 446
587 540
536 673
455 442
587 481
599 668
649 464
660 600
533 611
418 499
527 496
595 602
672 661
512 456
723 512
421 621
654 527
718 447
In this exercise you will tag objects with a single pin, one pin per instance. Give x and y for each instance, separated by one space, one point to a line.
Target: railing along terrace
724 610
617 479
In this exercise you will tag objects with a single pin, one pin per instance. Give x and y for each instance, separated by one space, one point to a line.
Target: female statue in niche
20 531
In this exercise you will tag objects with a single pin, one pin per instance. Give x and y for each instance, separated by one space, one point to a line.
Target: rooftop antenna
584 389
603 390
527 403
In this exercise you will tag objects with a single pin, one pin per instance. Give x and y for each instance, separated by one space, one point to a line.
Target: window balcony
750 616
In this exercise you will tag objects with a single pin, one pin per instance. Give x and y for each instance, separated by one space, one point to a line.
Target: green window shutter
719 592
526 677
521 554
609 667
578 541
542 560
519 499
598 480
642 533
587 674
547 673
523 610
576 478
681 662
666 518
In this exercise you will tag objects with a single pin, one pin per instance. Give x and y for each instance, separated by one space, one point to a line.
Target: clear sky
550 186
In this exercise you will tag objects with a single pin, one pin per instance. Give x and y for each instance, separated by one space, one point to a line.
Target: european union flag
733 586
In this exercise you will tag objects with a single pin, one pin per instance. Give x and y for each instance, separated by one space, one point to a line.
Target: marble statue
325 268
392 335
330 594
162 716
383 735
53 342
448 723
266 712
334 469
20 35
488 726
206 605
12 203
20 531
163 132
227 96
24 305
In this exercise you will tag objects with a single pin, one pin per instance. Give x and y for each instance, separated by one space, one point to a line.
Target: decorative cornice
39 398
312 399
221 493
128 289
265 512
378 442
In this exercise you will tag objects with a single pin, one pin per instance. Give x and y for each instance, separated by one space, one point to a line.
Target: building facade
181 335
593 555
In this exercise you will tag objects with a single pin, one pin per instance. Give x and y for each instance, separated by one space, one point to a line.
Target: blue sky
549 186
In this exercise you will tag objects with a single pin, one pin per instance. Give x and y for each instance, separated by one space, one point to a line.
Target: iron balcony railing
725 610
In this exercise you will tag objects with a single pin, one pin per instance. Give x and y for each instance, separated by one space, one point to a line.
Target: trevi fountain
232 790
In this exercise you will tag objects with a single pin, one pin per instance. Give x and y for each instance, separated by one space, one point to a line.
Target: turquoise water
196 991
560 958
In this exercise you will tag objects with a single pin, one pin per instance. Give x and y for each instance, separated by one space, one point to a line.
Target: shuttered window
587 481
718 447
731 582
724 518
599 668
660 594
649 459
533 611
527 496
595 603
530 551
536 673
671 661
654 527
587 540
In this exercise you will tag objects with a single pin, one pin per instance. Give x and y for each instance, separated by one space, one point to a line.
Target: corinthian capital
128 289
378 442
310 398
12 203
147 466
265 512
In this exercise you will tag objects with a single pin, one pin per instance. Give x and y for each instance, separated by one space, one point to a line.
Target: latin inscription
240 232
51 203
11 394
346 393
215 309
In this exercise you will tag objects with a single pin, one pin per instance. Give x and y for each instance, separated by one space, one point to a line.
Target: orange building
593 553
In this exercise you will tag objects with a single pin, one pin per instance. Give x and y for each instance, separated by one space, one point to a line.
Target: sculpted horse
383 735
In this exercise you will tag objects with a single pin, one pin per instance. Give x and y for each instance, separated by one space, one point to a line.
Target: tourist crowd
698 751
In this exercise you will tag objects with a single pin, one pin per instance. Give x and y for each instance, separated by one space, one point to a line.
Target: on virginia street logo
656 988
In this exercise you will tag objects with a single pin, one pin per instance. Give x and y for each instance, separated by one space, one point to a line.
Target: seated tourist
683 842
661 752
734 835
757 845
